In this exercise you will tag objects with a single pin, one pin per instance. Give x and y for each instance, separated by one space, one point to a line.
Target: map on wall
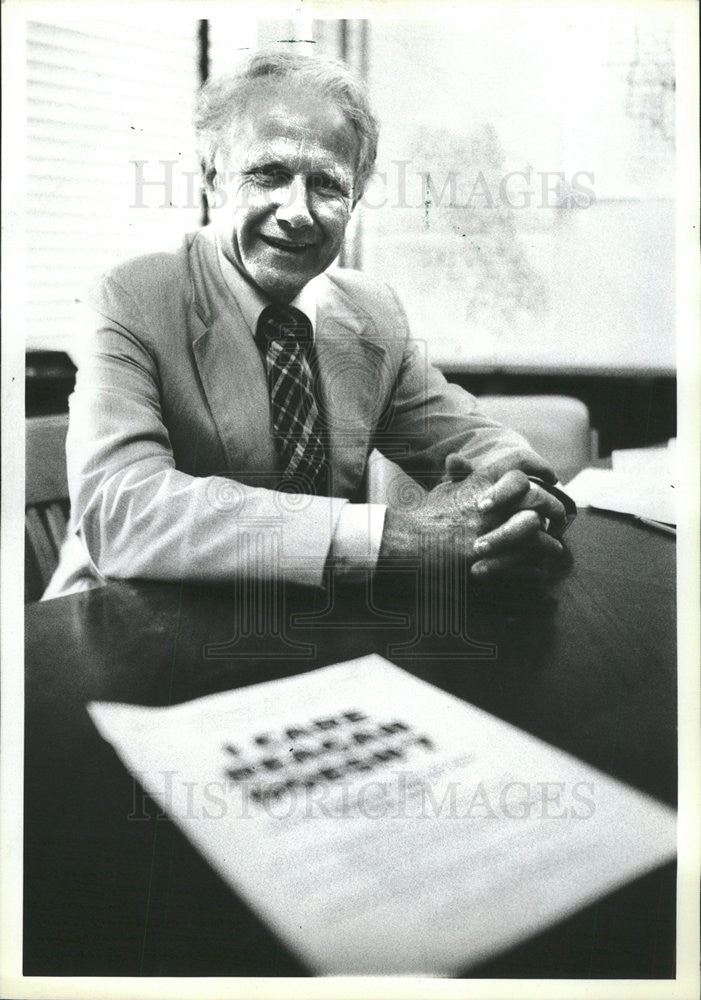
523 204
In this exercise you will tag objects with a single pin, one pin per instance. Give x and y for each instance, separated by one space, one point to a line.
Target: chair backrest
557 427
46 500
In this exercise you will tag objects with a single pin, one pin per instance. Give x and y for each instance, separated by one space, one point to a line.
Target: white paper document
658 462
625 492
382 826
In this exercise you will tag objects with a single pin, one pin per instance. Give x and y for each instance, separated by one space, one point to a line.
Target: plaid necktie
285 334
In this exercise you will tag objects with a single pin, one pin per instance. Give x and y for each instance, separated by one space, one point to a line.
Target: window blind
111 170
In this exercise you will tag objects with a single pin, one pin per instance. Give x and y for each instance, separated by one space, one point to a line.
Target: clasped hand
494 520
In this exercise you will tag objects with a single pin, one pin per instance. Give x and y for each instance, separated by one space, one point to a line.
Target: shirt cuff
355 545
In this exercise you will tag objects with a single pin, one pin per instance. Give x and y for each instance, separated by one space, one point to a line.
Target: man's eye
325 184
271 178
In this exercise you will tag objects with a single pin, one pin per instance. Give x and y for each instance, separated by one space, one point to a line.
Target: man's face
285 187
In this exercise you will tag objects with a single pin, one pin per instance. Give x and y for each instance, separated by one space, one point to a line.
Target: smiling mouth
287 245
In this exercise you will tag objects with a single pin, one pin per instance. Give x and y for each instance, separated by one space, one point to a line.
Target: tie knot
278 322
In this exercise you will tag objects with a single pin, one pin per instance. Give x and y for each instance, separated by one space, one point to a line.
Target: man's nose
293 208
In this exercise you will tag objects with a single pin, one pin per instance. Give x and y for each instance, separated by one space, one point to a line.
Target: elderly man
232 390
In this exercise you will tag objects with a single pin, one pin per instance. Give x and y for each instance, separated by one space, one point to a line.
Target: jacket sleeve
136 513
429 418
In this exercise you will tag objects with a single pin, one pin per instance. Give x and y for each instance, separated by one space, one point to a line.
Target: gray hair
222 98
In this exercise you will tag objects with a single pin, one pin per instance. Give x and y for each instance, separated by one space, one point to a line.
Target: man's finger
457 467
542 546
545 546
511 491
527 461
520 527
512 487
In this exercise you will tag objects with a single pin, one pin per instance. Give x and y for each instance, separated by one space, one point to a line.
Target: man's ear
212 186
209 175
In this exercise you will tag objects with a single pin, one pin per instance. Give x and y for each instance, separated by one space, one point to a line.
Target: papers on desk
382 826
658 462
641 483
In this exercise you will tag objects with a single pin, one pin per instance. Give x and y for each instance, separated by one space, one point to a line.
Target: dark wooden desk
112 888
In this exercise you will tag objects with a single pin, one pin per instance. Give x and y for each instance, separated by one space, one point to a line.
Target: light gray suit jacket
171 461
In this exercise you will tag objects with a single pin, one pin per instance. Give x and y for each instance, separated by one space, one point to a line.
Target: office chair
557 427
46 501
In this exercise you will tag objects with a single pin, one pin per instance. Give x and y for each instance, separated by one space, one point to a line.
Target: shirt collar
251 300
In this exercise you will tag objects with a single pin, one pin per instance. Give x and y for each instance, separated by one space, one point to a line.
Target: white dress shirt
358 535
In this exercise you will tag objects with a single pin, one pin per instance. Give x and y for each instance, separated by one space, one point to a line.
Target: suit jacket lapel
352 369
229 365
